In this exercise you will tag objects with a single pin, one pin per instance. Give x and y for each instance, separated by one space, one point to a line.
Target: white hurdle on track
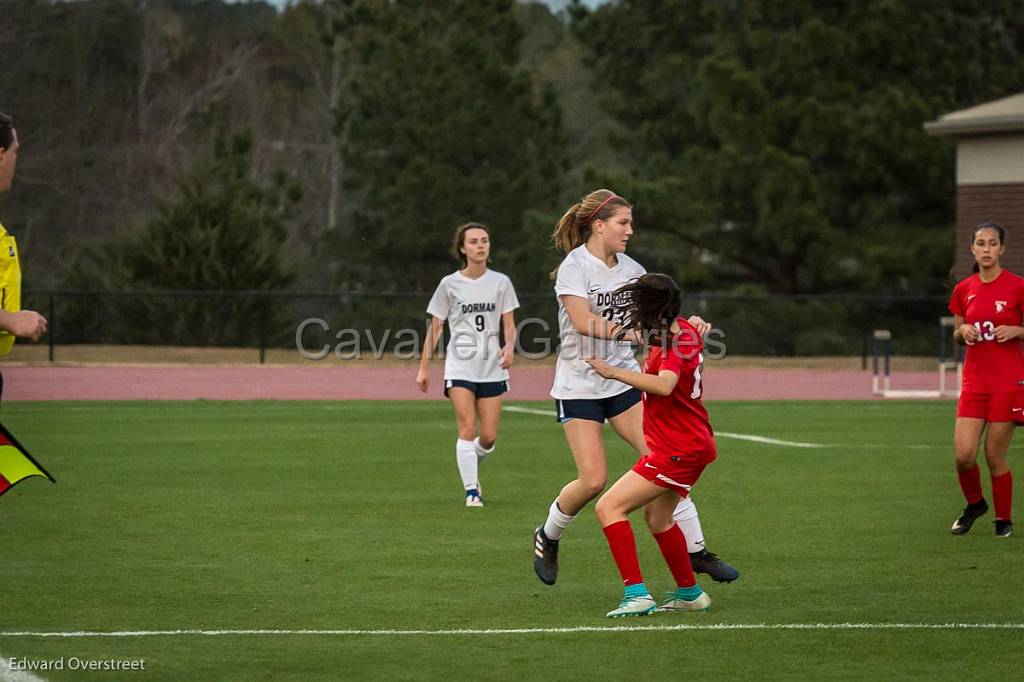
881 381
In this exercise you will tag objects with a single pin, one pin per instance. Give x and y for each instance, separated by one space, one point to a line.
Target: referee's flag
15 462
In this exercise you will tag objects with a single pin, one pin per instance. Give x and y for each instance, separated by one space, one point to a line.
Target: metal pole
888 360
263 329
881 340
51 324
864 351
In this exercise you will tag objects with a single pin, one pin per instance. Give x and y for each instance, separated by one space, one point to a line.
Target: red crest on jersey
1000 305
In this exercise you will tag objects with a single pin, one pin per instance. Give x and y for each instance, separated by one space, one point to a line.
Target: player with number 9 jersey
473 309
478 304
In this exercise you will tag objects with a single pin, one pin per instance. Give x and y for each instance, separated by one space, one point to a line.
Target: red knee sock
672 543
1002 495
970 483
623 545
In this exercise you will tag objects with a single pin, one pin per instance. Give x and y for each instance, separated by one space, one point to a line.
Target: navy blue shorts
482 389
596 409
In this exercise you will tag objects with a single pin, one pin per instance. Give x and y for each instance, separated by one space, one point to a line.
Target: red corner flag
15 462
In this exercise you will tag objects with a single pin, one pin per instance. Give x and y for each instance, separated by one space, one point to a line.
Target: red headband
593 213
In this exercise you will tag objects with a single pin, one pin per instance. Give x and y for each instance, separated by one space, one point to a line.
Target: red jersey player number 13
989 310
994 364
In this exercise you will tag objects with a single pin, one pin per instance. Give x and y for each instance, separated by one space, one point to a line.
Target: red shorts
993 407
675 472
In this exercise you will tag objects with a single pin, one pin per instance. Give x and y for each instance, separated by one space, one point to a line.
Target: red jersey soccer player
989 308
679 438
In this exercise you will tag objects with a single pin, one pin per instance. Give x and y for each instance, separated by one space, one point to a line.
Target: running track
324 382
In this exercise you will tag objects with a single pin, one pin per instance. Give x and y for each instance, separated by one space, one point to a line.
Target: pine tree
778 147
442 127
220 232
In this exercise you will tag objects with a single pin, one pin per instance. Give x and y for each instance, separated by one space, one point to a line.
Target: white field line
768 441
721 434
8 675
528 631
528 410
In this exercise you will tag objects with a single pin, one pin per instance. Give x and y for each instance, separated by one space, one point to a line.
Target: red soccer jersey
677 424
991 367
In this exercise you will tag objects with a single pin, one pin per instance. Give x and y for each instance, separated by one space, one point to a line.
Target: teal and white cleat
473 498
678 602
641 605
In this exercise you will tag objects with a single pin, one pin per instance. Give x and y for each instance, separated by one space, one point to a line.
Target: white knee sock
556 522
481 453
465 457
685 516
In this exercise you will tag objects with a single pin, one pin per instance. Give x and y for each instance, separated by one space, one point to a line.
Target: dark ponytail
651 303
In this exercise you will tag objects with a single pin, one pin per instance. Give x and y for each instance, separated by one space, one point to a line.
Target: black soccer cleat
545 557
1004 528
972 513
709 563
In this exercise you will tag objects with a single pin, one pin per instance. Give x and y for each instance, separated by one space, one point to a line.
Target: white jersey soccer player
593 234
478 304
473 309
584 275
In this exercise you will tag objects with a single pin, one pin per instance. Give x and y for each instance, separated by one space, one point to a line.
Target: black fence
346 322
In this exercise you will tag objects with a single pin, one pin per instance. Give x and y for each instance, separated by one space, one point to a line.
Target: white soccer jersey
583 274
473 308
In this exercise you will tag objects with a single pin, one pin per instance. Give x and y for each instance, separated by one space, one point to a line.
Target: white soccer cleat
634 606
677 603
473 498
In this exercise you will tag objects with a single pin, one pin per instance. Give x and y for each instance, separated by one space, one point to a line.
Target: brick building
989 175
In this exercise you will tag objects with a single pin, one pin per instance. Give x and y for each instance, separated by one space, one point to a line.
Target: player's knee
592 485
995 461
966 458
488 439
658 520
607 512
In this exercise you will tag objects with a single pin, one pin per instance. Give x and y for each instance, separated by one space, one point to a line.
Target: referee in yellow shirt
13 320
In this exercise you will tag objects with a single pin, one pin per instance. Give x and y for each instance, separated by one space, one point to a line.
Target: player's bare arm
658 385
429 345
587 323
508 323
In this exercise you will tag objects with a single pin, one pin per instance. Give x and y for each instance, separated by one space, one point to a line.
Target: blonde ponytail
575 225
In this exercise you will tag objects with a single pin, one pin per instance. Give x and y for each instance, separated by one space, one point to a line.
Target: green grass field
349 516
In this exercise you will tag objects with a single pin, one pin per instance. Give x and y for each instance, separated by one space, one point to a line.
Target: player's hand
698 322
970 334
1008 332
421 380
28 324
507 356
601 367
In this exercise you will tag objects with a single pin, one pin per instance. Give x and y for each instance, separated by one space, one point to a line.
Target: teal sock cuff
689 593
638 590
